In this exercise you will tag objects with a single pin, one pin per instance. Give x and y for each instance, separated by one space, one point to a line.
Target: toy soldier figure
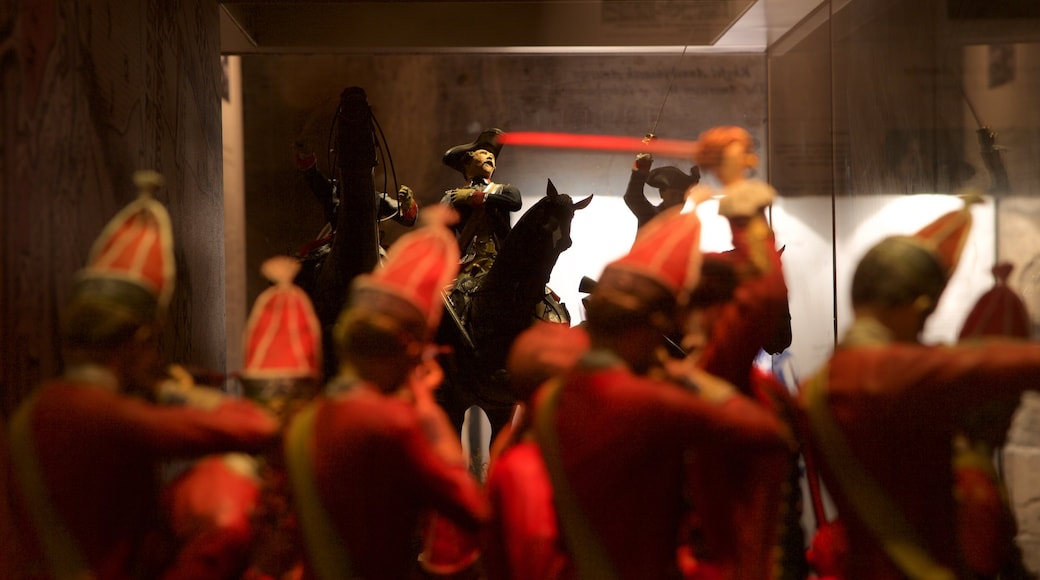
745 520
523 539
484 206
671 182
231 511
884 410
613 440
728 153
86 448
987 526
403 209
371 457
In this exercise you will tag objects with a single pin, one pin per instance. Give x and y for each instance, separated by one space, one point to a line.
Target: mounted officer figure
483 206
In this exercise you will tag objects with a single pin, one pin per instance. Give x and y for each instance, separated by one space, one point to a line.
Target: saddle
458 302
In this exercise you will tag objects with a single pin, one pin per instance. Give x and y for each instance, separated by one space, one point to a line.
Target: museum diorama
703 289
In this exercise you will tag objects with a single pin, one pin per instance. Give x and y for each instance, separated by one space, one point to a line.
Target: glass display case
871 118
879 112
869 115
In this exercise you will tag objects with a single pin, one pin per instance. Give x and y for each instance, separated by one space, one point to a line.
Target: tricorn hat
487 140
132 260
408 286
283 336
670 177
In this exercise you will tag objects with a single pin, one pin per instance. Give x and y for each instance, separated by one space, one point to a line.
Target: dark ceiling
250 26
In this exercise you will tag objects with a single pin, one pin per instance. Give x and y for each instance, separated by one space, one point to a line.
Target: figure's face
141 366
481 164
672 196
735 163
640 347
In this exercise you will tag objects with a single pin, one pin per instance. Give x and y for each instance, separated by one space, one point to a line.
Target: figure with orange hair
728 155
746 517
884 410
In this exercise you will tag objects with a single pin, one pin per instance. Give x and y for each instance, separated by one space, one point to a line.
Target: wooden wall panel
92 91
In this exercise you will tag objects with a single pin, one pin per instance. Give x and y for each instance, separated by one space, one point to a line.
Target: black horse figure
482 324
353 247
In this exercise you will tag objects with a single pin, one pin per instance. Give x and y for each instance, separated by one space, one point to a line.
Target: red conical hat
998 312
137 245
417 268
667 251
946 235
283 336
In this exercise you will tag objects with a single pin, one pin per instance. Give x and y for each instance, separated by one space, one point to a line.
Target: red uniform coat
376 474
622 443
748 504
744 502
99 452
523 538
210 508
898 406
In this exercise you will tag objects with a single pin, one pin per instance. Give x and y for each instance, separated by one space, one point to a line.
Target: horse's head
535 242
355 139
554 214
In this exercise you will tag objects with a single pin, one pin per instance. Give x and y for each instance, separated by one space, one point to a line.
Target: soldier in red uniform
85 448
884 410
612 439
746 517
282 371
231 511
728 153
987 526
523 539
372 456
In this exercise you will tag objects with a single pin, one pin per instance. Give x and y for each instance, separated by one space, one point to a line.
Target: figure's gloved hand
406 205
425 378
461 196
642 163
746 199
179 388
